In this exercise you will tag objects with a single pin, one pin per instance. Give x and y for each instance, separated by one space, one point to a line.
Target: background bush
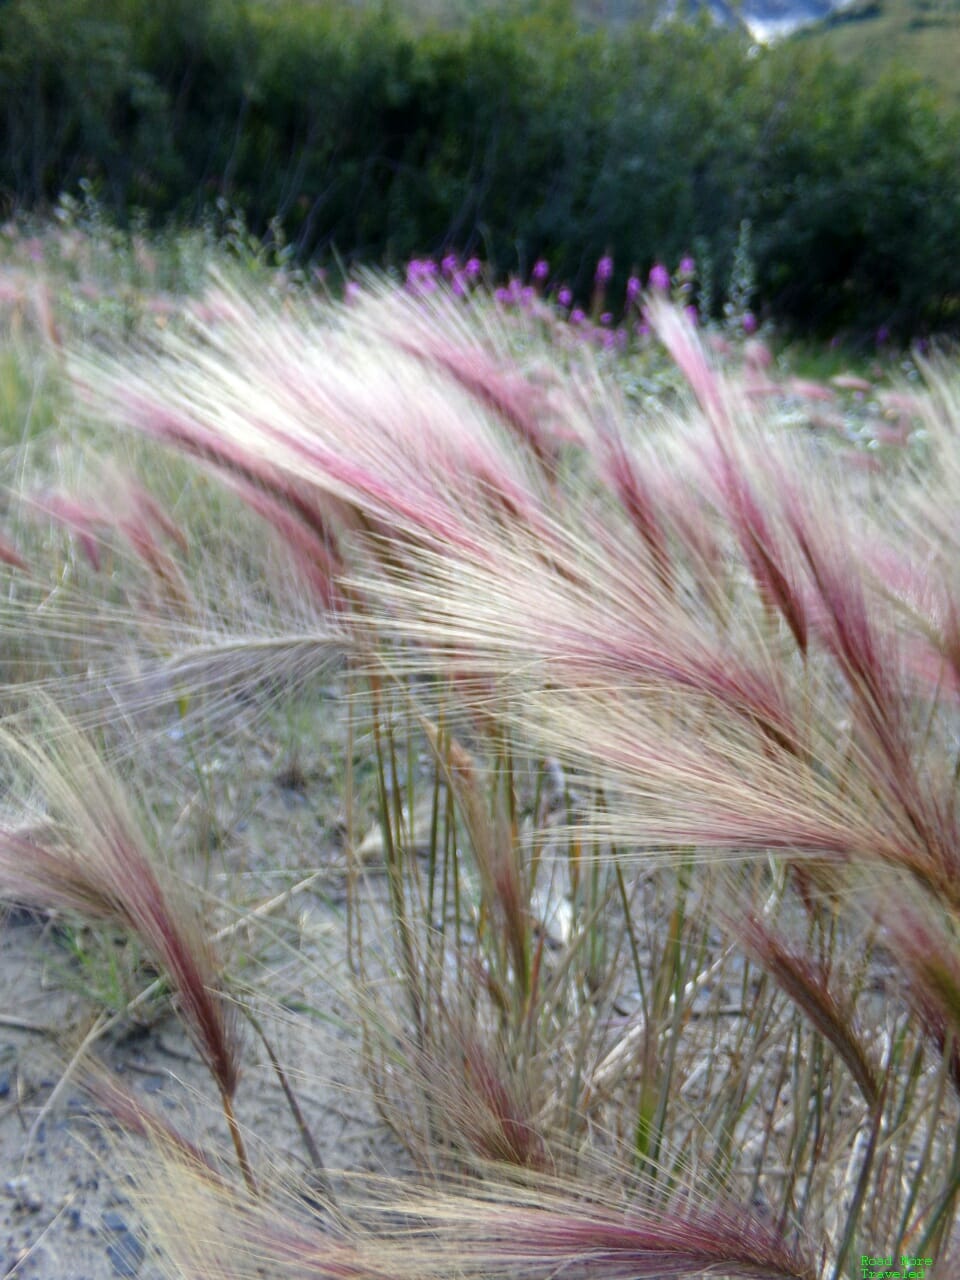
515 136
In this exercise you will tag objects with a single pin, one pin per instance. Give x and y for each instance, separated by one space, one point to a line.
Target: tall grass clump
655 936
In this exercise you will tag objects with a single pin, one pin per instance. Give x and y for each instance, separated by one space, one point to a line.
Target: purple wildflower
604 269
659 277
749 322
607 318
634 288
687 267
691 314
541 269
502 296
473 268
448 265
527 296
577 315
565 296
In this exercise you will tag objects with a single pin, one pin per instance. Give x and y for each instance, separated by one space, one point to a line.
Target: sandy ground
66 1210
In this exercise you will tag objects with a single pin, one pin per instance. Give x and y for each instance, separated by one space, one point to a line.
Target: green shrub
520 134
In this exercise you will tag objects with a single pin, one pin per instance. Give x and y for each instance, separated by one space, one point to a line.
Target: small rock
25 1261
124 1249
126 1255
25 1198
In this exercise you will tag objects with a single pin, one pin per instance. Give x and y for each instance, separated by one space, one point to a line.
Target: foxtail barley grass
664 718
83 853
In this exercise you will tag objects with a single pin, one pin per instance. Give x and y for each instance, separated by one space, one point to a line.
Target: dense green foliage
513 137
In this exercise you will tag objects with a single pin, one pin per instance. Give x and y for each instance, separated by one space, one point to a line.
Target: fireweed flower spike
601 279
660 278
604 270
